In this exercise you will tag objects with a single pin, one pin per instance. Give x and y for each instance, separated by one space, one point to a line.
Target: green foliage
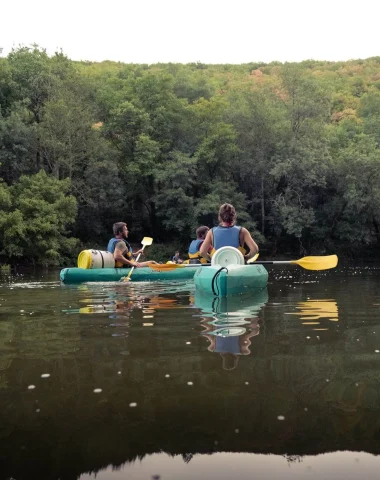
7 88
358 179
174 198
31 72
34 218
18 140
294 147
207 206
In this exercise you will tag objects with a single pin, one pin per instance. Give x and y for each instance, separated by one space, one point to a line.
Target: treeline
295 147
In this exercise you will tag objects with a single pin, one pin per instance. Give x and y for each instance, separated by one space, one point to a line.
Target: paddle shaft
137 259
260 262
309 263
272 262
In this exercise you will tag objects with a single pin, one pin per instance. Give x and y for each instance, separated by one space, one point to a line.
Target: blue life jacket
194 253
226 237
111 248
195 245
227 345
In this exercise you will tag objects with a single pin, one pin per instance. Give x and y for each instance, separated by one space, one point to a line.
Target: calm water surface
147 381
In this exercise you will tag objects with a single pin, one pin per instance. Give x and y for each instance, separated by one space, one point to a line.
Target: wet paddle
145 242
308 263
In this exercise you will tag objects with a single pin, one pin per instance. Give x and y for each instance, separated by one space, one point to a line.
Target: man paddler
121 249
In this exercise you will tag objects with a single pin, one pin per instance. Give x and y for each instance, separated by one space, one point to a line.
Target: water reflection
315 313
124 306
110 399
246 466
230 323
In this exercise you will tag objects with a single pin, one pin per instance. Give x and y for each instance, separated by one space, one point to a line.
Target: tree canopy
294 147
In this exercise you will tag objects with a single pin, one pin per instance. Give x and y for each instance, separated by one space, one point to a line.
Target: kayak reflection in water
230 338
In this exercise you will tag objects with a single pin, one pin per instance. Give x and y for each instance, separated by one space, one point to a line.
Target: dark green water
143 380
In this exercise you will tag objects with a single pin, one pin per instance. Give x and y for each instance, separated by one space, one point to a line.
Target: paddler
228 234
121 249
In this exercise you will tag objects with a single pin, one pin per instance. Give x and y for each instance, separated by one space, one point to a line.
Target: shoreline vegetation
293 146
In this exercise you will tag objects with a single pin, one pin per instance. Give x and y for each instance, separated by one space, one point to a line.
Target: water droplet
31 387
97 390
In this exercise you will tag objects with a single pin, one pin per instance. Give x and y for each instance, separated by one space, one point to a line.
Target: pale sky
208 31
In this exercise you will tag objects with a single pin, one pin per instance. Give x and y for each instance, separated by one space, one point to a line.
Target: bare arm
246 238
119 257
119 252
206 245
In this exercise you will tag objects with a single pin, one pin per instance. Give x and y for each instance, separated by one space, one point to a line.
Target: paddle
253 259
309 263
145 242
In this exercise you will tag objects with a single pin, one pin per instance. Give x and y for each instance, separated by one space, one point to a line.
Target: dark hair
227 213
201 232
118 227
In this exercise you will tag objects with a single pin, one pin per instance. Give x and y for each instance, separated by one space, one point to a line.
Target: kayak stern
231 280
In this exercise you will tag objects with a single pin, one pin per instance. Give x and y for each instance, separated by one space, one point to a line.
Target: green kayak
145 274
230 280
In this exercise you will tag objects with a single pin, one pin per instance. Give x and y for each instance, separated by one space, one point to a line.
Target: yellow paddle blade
147 241
253 259
165 267
317 263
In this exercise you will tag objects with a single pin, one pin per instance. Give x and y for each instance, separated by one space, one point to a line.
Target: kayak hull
232 280
144 274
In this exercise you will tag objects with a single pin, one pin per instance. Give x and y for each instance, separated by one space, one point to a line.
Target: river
153 381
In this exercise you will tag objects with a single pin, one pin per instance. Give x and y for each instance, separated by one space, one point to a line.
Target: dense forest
294 147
